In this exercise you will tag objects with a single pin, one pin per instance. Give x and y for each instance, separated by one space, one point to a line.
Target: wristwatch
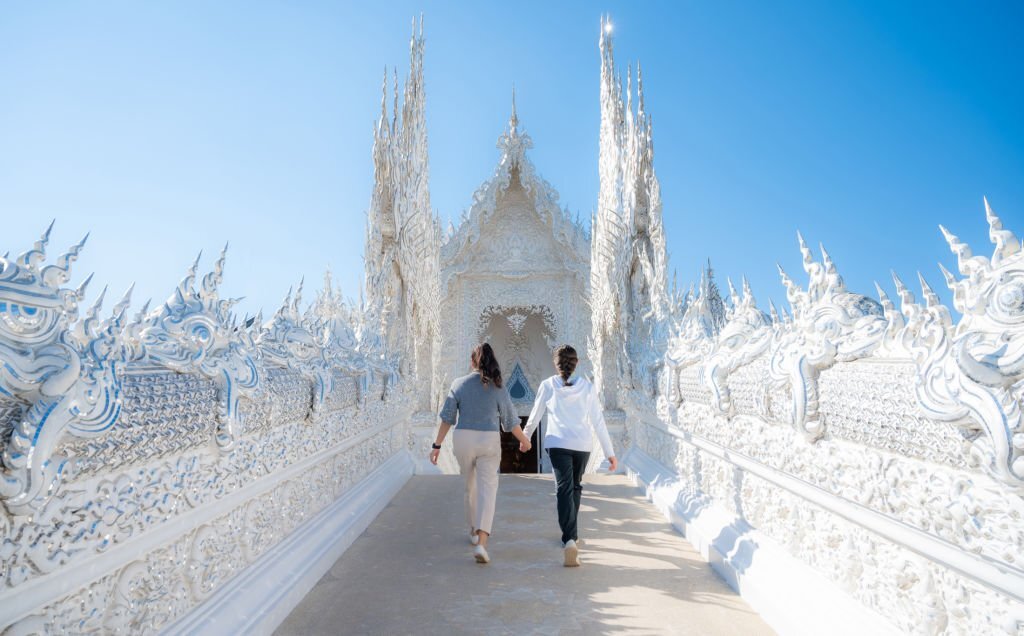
436 446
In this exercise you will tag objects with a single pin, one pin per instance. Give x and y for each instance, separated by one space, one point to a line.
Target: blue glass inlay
518 391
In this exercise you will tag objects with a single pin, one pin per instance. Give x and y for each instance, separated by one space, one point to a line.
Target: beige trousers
479 457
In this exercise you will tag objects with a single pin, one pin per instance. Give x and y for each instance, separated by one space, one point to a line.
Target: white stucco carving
629 287
59 372
403 235
891 418
147 446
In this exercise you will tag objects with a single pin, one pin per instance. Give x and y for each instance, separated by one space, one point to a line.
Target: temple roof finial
513 121
512 143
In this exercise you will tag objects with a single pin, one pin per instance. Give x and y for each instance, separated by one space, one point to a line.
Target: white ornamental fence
853 466
182 470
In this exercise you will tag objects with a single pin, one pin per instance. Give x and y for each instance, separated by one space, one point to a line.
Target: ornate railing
149 461
853 446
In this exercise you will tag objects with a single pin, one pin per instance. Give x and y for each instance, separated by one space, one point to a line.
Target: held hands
524 442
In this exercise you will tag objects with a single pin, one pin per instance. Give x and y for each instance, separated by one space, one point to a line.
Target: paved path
412 571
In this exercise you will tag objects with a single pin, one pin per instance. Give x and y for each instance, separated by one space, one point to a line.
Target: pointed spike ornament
214 278
80 292
805 252
219 266
94 310
786 280
298 294
951 238
908 303
894 317
126 299
907 300
60 272
1004 240
37 254
141 314
930 298
190 275
826 260
933 305
900 287
882 296
948 276
965 259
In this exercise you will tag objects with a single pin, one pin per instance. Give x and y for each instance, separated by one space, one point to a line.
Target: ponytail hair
483 360
565 361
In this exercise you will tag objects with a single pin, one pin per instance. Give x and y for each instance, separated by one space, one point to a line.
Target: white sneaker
480 554
474 538
572 554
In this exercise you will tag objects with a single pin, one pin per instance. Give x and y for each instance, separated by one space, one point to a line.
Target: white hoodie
573 411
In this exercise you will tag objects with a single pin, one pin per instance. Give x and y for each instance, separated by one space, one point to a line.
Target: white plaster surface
412 570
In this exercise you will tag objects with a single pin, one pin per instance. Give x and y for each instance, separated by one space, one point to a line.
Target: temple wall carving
149 461
880 447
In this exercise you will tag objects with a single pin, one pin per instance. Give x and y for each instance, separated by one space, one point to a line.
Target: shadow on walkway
412 571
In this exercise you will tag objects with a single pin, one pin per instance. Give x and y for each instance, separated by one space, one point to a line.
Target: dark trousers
568 466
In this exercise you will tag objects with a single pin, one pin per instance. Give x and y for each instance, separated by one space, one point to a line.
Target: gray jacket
476 406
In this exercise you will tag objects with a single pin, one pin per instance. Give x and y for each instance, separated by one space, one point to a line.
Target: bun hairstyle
483 360
565 361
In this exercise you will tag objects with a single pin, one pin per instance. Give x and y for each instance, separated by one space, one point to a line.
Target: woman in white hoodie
573 411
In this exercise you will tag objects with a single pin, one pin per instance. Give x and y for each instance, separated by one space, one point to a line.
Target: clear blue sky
166 128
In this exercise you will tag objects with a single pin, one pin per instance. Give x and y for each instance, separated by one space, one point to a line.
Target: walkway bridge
412 572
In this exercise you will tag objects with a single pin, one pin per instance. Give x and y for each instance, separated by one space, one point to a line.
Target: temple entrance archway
522 338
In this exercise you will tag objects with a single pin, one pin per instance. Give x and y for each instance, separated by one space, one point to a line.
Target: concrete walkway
412 571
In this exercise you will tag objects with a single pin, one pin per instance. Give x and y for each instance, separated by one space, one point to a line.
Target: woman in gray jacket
476 406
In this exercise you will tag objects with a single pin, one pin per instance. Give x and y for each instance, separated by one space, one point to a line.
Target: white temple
519 271
848 465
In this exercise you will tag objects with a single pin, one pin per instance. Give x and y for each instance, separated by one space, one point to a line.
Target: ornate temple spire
402 235
629 262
